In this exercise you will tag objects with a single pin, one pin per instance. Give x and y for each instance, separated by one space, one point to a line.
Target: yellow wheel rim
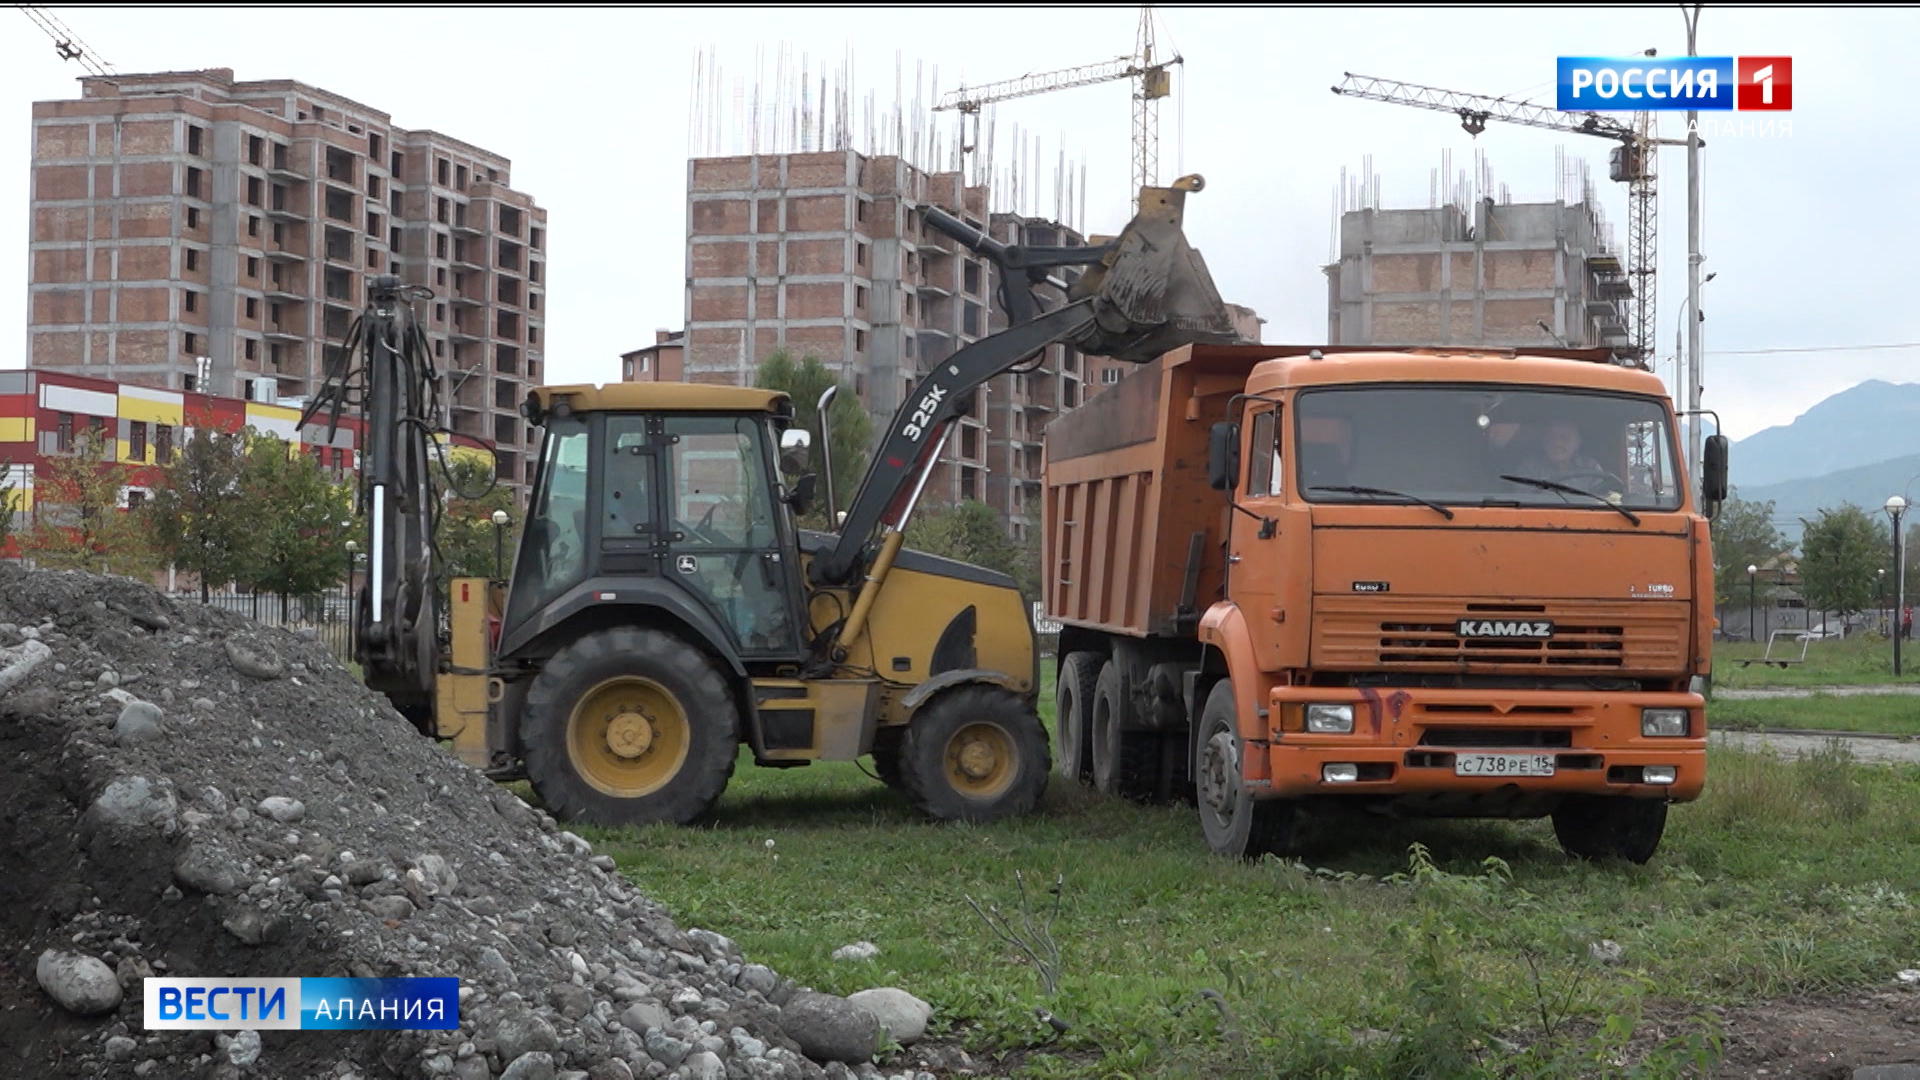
980 760
628 736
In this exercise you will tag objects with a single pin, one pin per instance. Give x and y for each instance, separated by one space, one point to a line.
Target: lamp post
500 520
1752 590
1896 505
1694 258
1880 594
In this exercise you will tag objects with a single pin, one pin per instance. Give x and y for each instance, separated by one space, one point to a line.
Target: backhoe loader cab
659 615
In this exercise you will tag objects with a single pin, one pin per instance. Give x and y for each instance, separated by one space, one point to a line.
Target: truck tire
1235 823
1610 826
975 753
629 727
1125 763
1073 714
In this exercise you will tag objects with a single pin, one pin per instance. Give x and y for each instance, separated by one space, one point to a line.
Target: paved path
1890 750
1760 693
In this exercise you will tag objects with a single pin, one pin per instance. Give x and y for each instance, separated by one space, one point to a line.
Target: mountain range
1860 446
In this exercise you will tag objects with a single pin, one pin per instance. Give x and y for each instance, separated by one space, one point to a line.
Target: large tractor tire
1125 763
1235 823
974 753
1610 826
629 727
1073 715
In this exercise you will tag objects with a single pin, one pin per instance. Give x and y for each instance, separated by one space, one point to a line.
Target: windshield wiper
1347 490
1555 485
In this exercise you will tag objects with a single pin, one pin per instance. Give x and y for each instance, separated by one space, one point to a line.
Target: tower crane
1632 162
65 41
1155 82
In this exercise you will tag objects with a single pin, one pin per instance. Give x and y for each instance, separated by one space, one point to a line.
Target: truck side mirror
1713 470
794 443
800 496
1223 456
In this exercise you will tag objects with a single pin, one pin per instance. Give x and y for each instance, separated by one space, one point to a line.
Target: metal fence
324 615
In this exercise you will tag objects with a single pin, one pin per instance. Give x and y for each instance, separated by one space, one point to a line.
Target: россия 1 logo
1704 83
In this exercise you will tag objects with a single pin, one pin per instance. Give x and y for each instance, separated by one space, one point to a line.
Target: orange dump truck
1429 582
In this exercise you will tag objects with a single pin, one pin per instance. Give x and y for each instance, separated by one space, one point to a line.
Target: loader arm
1143 294
385 372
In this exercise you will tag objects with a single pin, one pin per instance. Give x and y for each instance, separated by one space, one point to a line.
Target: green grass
1886 714
1401 949
1857 661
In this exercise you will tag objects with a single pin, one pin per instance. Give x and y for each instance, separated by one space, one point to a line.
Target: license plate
1503 765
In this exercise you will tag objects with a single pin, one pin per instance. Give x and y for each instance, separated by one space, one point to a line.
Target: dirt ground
1820 1038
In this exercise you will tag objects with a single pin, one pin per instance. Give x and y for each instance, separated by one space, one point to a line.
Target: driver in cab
1559 457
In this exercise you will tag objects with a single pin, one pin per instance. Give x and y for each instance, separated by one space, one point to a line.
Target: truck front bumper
1424 743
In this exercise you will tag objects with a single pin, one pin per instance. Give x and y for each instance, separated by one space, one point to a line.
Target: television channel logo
232 1004
1650 84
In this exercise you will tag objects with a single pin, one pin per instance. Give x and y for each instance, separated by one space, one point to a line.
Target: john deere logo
1501 628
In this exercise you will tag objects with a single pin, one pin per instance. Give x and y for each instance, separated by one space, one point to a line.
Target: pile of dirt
188 793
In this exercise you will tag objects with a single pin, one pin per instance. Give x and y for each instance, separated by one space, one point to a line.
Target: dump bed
1132 533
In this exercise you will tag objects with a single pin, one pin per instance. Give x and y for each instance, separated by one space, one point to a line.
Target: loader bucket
1152 292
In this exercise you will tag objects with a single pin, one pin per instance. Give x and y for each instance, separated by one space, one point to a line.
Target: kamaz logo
923 415
1498 628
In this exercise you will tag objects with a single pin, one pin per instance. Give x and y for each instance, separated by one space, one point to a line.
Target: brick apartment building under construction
191 232
1506 274
823 254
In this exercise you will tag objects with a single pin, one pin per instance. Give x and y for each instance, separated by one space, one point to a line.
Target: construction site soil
188 793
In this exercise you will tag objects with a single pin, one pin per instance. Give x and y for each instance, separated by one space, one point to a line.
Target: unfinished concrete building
196 233
1512 274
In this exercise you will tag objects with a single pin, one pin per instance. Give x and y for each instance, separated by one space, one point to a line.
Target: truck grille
1376 633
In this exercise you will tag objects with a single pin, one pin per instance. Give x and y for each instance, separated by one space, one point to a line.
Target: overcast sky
1812 232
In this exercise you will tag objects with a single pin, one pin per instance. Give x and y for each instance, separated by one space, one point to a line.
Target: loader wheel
629 727
1610 826
1073 714
1235 823
975 753
1125 763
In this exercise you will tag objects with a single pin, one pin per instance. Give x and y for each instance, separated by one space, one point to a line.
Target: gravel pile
187 793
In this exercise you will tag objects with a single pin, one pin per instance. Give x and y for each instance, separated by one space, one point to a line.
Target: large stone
570 1001
703 1066
244 1048
21 661
666 1049
80 983
900 1013
532 1065
439 876
524 1033
282 809
859 950
610 1069
202 868
132 802
758 978
256 663
643 1016
829 1028
139 721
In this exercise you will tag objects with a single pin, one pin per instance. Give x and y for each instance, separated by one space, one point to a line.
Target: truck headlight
1665 723
1330 719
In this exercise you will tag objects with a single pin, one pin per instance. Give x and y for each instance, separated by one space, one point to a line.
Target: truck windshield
1454 444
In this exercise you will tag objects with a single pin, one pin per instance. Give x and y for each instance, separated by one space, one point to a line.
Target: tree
8 497
302 520
1839 554
464 535
1743 536
78 523
198 518
804 380
972 533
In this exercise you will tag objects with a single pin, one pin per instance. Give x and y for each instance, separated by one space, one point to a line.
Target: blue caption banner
283 1004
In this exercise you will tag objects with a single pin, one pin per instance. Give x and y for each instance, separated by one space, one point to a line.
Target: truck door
1254 572
724 539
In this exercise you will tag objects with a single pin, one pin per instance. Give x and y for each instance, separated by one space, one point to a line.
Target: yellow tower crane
1155 82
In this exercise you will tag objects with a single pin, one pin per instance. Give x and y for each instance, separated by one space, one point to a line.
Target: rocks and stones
830 1028
132 803
138 722
1606 951
532 1065
282 809
202 868
243 1049
902 1015
859 950
644 1016
256 663
21 661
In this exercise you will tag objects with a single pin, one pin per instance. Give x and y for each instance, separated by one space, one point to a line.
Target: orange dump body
1498 633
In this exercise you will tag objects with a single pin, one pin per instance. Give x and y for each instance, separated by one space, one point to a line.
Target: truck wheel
1604 826
1235 823
1073 714
629 727
975 753
1125 763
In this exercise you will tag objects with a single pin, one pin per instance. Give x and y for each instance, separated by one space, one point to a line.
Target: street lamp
1880 594
1896 505
1752 572
500 520
353 551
